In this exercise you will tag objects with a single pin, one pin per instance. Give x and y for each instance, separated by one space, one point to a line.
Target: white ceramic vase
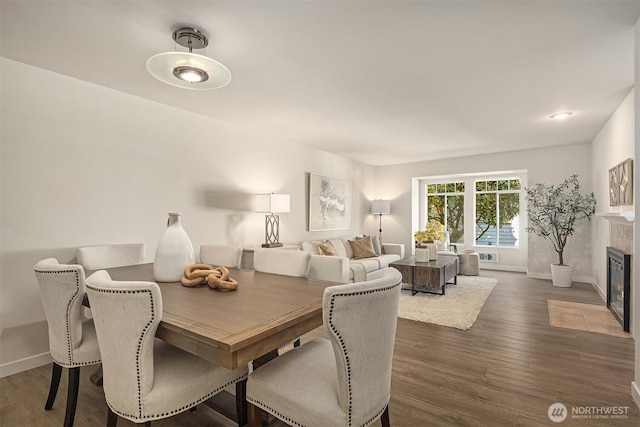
174 252
433 250
561 275
422 255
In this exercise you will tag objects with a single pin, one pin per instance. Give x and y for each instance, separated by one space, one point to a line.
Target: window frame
419 195
497 191
446 194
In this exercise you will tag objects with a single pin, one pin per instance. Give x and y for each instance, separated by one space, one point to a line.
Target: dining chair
109 256
146 379
287 262
72 339
221 255
341 381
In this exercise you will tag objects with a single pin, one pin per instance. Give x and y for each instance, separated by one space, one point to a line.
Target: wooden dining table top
232 328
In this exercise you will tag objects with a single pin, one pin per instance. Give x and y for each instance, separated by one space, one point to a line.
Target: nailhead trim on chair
150 417
70 363
342 345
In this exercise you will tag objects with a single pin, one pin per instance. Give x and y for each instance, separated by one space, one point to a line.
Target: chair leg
241 402
72 396
255 415
53 388
384 419
112 418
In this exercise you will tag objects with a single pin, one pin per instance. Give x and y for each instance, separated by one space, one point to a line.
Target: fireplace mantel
625 217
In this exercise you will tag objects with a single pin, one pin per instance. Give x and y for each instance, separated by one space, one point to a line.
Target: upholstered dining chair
225 255
344 380
72 339
341 381
287 262
109 256
146 379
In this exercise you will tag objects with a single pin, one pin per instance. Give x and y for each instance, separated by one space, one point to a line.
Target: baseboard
24 364
515 269
547 276
599 291
635 393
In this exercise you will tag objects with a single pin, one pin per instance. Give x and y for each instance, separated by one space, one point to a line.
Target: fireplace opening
619 285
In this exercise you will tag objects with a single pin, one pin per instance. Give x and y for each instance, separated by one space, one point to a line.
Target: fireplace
618 285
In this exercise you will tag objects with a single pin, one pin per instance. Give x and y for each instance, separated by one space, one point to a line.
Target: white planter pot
561 275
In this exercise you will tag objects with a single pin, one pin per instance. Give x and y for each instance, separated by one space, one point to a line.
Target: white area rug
458 308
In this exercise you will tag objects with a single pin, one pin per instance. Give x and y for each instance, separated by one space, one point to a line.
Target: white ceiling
382 82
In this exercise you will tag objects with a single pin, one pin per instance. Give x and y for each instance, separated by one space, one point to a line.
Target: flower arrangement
433 231
555 210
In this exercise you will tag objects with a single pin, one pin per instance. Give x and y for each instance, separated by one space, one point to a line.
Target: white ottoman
469 263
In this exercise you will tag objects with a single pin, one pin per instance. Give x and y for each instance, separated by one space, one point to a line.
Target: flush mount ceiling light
561 116
186 69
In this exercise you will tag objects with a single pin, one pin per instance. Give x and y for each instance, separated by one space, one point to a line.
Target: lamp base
272 245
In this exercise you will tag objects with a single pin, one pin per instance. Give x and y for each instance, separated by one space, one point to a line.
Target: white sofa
344 268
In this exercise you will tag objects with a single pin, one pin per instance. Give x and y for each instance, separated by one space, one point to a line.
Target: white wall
549 165
613 144
635 304
84 165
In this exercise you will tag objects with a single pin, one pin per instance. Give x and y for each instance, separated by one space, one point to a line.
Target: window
445 204
497 212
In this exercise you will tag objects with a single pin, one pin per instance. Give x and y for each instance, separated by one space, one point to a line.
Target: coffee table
428 277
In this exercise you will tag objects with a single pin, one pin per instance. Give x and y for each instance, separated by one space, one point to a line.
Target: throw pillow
376 243
362 248
327 248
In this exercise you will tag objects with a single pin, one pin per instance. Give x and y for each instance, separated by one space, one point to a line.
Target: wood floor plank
505 371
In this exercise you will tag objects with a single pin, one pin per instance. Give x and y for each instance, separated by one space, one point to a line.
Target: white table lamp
272 204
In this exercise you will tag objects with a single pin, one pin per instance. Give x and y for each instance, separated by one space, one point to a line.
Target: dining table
234 327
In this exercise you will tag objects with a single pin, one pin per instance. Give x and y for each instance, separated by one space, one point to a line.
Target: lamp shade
273 203
381 207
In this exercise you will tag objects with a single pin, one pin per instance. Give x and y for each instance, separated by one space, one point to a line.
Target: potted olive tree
553 213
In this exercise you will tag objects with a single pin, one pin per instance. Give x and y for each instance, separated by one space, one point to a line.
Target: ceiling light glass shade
213 75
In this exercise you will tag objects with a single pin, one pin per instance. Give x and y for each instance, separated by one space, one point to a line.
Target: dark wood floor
505 371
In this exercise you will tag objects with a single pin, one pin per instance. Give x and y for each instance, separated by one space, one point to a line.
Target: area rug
584 317
458 308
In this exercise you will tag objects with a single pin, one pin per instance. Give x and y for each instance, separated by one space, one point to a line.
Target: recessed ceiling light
561 116
189 70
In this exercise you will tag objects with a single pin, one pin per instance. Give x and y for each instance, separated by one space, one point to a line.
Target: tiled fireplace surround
621 237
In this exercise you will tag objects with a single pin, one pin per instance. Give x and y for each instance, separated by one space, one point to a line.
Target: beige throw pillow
327 248
362 248
375 241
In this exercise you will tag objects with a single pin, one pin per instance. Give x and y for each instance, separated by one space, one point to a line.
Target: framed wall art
621 184
330 203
